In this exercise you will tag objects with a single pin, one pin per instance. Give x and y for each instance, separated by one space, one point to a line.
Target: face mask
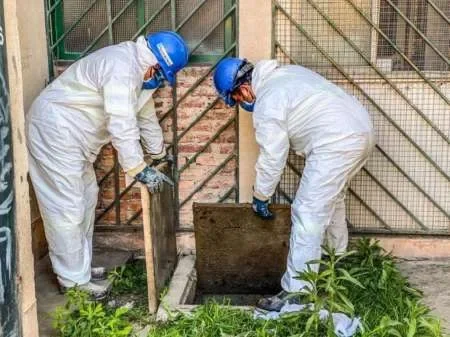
154 82
247 106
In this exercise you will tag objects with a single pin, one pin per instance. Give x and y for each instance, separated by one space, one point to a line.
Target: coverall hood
261 72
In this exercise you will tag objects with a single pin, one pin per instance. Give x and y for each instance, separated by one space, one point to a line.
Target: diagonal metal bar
120 196
134 217
370 209
406 175
417 30
53 7
226 195
104 30
411 180
395 199
196 84
378 71
153 17
101 181
393 45
199 117
204 147
73 25
213 28
353 82
439 11
210 176
189 16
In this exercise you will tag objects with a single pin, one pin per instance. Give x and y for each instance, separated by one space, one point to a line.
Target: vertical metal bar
176 178
274 23
140 13
228 25
110 28
117 196
49 30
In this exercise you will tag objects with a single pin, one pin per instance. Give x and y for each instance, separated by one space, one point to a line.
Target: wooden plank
148 244
159 239
237 252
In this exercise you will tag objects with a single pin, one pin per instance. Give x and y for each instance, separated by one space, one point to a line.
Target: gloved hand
153 178
261 208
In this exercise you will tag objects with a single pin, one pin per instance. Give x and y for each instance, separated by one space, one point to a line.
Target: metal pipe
226 195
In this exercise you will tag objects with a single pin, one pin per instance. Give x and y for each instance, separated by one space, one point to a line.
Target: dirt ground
433 278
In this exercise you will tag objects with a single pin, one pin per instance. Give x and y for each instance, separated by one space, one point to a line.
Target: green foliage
363 282
81 317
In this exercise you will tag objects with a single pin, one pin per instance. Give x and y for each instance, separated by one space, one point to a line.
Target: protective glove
261 208
153 178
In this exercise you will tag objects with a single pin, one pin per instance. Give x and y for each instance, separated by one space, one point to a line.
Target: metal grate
78 27
393 55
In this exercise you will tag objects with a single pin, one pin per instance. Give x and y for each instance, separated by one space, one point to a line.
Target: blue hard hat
229 74
171 51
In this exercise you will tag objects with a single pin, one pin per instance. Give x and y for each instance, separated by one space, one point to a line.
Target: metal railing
392 56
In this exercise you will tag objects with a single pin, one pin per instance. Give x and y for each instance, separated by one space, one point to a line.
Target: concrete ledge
181 288
416 247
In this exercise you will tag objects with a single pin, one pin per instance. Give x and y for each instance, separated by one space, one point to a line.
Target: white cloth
344 326
298 108
96 100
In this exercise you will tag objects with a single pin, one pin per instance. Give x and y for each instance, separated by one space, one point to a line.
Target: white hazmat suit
297 108
96 100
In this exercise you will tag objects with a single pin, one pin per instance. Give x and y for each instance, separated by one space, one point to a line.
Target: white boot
98 274
98 292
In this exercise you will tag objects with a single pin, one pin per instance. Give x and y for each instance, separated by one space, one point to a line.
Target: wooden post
148 242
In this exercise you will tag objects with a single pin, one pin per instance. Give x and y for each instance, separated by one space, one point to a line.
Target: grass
364 282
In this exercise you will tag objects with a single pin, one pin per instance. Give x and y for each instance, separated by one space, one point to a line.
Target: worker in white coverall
105 96
294 107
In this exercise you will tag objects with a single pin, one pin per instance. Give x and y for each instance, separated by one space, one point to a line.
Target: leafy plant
81 317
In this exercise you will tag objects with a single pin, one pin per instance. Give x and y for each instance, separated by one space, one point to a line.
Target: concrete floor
433 278
48 296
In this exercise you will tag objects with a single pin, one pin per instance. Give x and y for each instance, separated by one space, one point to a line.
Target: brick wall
189 144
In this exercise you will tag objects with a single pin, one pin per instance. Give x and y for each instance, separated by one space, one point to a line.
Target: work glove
153 178
261 208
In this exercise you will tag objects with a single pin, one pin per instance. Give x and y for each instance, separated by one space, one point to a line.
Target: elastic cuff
159 155
132 172
260 196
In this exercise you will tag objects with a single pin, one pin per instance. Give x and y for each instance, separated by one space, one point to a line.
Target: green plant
81 317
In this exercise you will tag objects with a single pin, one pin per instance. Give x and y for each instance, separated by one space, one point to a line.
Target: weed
81 317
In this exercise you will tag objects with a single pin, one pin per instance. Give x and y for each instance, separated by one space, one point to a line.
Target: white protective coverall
96 100
298 108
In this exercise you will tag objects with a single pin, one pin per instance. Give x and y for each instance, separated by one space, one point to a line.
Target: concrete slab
47 293
432 276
